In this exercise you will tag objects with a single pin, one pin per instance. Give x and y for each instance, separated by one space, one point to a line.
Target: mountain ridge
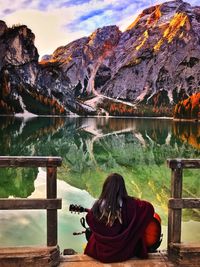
154 63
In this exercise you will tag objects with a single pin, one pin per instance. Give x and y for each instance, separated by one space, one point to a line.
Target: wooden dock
50 257
155 260
177 254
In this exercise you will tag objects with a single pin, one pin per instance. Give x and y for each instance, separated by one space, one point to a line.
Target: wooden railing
51 203
176 202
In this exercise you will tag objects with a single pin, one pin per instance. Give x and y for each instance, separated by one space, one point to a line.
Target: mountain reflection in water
92 148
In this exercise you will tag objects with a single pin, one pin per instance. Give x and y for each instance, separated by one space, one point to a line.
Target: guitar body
152 234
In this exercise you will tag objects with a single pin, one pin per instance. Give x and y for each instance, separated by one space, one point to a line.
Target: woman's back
123 239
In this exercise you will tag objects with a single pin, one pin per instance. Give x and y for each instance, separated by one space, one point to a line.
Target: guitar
152 234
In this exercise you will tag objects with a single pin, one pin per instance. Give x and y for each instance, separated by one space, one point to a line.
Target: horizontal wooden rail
9 161
37 203
184 203
183 163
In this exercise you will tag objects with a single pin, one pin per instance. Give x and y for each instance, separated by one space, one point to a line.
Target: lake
91 148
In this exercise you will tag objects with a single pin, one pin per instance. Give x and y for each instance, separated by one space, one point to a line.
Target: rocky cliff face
157 60
26 85
18 61
80 60
151 66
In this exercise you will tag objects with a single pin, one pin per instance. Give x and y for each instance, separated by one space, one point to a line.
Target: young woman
118 222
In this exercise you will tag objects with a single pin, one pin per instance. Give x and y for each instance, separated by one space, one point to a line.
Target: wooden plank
185 254
79 260
36 203
51 227
23 161
51 185
183 203
174 216
85 258
174 226
29 256
183 163
51 214
33 250
176 183
187 247
176 192
177 218
170 229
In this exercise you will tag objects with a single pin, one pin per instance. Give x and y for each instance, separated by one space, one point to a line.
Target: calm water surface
92 148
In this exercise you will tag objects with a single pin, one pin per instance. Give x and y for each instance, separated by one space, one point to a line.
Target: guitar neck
77 208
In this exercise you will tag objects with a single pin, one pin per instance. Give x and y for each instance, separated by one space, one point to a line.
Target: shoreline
33 116
82 116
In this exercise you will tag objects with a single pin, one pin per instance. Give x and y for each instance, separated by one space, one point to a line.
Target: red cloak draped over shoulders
120 241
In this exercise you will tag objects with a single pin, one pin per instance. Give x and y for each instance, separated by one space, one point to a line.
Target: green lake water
91 148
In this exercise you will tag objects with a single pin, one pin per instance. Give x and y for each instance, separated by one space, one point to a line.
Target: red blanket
121 241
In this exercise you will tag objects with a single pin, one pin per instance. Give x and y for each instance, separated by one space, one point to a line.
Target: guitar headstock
76 208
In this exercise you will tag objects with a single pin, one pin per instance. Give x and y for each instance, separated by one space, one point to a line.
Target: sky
57 22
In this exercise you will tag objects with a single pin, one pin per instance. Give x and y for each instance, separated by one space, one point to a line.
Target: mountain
144 70
26 85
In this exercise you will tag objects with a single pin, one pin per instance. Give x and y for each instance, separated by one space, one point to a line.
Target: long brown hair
108 207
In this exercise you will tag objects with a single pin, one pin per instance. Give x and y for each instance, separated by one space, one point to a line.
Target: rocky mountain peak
19 46
152 53
80 59
169 17
105 35
152 65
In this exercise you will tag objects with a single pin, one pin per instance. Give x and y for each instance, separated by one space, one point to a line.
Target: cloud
91 21
121 13
57 23
73 3
7 11
110 12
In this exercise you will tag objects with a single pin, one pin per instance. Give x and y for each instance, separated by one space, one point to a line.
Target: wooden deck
178 253
158 259
29 256
49 257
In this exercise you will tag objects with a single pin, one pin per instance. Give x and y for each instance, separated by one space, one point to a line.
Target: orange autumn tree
188 108
118 109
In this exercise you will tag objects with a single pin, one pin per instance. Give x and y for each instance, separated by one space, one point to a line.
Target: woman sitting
117 222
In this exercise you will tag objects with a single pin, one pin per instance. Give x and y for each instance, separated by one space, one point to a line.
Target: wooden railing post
175 215
51 203
51 214
180 253
51 255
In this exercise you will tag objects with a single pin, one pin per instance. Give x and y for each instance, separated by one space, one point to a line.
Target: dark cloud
27 2
73 3
7 11
44 4
90 21
93 13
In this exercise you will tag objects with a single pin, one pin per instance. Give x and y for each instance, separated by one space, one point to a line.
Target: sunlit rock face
80 60
157 60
